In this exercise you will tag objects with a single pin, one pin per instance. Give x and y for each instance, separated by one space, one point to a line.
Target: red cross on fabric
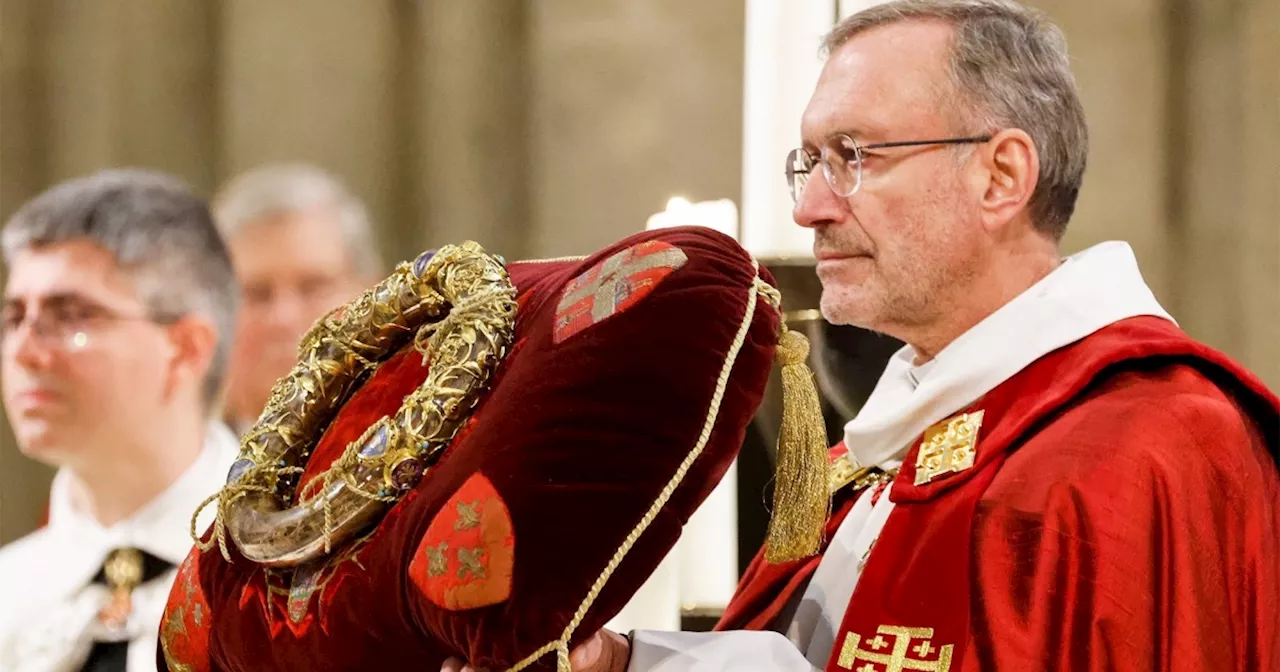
614 285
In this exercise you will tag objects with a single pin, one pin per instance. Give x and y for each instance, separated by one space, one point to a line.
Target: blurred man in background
119 305
302 245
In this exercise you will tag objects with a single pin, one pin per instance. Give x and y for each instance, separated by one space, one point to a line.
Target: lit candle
720 215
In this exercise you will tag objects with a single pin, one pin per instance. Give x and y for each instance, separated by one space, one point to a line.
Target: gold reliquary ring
458 307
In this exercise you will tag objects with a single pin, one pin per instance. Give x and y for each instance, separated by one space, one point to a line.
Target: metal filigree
458 304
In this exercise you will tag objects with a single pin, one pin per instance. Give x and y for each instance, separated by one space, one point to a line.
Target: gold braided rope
458 304
561 645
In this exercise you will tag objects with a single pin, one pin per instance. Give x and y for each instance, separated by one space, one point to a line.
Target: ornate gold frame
458 306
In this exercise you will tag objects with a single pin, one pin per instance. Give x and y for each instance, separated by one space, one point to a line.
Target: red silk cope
1122 513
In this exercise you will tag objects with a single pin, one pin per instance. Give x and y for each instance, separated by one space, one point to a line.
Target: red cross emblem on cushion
464 561
614 285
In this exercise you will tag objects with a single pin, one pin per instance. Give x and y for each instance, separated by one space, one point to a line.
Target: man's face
895 253
82 366
293 268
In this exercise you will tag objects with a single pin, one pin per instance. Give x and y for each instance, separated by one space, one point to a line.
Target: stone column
314 81
1259 44
631 103
1118 54
465 111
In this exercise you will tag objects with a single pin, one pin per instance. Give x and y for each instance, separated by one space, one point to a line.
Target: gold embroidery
843 472
471 563
866 555
468 516
896 660
849 651
948 447
174 624
437 563
175 621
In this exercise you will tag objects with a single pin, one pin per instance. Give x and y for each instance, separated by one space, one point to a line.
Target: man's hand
604 652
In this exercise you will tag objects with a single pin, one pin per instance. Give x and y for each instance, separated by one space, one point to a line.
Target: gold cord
561 645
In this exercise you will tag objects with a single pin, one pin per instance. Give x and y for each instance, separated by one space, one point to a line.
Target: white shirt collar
1090 290
162 526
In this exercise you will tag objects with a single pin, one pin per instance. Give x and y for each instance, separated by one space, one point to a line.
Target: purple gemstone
377 444
406 473
420 264
238 469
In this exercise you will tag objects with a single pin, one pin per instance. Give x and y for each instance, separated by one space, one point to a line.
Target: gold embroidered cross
468 516
471 562
948 447
437 563
616 275
897 659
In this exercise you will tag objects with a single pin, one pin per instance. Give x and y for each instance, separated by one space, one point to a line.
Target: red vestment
1122 513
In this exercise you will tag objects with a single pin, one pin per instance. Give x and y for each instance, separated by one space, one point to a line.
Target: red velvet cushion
604 394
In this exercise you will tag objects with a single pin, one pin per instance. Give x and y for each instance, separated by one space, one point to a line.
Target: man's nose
817 205
29 346
286 309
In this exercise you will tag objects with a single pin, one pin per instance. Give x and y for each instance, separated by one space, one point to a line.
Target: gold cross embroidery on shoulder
948 447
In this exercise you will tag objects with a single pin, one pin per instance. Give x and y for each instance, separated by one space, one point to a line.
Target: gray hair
159 232
295 187
1010 69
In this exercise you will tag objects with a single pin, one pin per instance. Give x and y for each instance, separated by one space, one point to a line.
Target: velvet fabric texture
1121 513
605 392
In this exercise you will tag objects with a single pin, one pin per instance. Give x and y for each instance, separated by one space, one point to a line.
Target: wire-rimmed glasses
841 159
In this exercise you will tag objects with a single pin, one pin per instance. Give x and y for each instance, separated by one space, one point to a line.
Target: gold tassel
801 498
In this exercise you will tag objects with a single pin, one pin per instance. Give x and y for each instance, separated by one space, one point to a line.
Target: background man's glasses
841 159
67 329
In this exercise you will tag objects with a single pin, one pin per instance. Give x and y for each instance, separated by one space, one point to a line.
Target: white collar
162 526
1090 290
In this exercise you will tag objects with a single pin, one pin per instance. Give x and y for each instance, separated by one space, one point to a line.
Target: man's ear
1012 170
194 339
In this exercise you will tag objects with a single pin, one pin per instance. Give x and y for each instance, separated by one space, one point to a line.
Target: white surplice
1088 291
48 605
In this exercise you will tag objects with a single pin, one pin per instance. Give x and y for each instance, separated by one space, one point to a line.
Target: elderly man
1050 475
302 245
118 311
